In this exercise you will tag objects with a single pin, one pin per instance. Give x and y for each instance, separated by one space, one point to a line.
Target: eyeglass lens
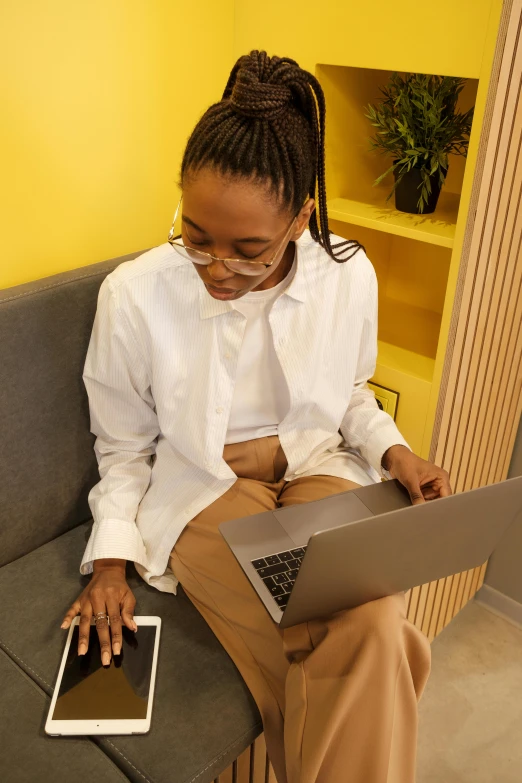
235 265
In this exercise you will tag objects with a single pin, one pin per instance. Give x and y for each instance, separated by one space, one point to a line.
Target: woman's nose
218 271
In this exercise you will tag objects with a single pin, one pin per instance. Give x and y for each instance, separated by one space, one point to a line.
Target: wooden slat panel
444 605
434 615
421 605
480 400
451 601
252 766
482 575
476 575
413 602
425 620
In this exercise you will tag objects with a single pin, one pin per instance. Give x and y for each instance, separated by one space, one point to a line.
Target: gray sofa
204 716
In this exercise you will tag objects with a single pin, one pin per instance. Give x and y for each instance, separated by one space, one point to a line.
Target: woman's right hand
107 592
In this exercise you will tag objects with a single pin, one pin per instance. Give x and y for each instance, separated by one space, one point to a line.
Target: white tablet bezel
119 726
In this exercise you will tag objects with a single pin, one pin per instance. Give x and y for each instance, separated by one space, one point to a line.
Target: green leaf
379 179
418 121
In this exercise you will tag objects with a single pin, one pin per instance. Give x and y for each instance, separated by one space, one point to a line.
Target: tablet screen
87 691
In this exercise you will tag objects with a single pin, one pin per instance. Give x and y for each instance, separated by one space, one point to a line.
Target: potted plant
419 126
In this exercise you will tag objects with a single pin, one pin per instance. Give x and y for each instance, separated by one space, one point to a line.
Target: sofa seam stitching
11 652
128 760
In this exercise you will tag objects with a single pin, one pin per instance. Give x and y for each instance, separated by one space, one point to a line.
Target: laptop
313 559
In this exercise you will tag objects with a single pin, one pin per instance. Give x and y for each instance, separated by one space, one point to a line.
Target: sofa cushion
28 753
203 715
47 461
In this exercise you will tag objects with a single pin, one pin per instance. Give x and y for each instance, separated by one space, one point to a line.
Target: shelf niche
352 166
412 278
411 254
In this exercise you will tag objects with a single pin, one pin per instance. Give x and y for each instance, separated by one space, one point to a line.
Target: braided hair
269 126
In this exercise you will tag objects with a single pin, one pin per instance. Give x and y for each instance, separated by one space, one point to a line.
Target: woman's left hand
423 480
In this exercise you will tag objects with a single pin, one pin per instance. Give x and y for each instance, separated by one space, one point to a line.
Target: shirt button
219 410
227 356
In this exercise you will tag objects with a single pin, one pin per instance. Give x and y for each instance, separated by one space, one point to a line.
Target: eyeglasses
239 265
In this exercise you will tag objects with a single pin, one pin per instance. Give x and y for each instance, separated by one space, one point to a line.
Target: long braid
270 126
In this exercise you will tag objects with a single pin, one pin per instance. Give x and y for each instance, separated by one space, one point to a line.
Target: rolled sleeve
365 426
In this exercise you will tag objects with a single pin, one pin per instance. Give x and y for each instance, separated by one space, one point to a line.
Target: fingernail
106 658
135 627
63 625
116 649
81 649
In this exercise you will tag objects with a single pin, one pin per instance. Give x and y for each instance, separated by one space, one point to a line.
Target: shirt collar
210 307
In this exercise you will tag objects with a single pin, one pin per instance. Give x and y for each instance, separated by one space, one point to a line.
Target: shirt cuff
113 538
381 441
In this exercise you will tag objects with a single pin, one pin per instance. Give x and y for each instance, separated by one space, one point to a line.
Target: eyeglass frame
171 238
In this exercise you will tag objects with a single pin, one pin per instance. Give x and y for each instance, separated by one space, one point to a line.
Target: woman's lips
222 293
221 290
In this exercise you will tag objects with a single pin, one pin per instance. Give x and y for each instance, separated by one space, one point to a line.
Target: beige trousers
337 695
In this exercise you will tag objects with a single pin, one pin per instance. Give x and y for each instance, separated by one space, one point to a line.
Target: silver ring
101 616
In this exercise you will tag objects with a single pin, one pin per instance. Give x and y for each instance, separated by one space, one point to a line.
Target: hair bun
251 97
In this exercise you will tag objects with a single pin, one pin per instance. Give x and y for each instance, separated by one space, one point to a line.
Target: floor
470 715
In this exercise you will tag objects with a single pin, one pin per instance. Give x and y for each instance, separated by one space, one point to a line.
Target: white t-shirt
261 398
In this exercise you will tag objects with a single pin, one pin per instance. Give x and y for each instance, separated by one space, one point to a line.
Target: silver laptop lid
380 555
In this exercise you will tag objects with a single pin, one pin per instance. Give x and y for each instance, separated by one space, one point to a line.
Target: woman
226 375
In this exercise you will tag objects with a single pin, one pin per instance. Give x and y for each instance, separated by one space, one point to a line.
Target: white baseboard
500 604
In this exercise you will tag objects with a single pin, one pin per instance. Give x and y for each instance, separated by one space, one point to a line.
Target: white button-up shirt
159 374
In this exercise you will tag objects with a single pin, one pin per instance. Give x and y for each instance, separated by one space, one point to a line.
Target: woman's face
234 218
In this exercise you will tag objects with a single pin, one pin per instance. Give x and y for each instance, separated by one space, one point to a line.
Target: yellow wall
437 36
98 100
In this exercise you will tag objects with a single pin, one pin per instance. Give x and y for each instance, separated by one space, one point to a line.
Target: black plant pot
408 191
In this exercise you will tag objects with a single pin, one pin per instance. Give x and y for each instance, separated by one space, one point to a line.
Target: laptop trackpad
303 519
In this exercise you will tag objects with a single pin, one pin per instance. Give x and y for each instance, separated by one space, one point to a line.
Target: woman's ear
303 218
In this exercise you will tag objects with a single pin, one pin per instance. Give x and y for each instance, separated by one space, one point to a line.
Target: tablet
89 699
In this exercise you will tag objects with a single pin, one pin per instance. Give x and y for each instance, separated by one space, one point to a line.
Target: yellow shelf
407 363
413 330
437 228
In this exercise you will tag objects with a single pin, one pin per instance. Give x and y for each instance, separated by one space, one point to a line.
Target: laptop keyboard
279 572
